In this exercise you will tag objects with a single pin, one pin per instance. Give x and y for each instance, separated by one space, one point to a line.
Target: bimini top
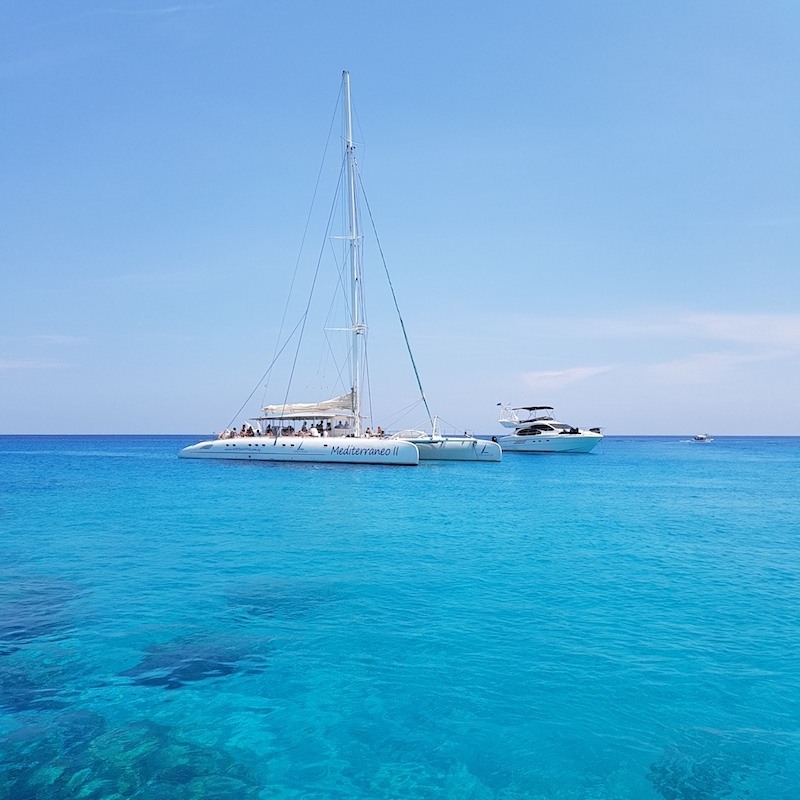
534 408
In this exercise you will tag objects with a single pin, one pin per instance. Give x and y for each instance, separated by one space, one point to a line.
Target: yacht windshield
532 430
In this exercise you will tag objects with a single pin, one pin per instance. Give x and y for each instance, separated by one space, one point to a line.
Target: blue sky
591 205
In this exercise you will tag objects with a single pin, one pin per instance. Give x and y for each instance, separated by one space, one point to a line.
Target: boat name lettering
362 451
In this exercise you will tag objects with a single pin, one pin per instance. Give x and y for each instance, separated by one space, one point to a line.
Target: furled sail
341 406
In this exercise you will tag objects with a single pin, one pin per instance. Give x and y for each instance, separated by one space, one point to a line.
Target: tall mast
357 324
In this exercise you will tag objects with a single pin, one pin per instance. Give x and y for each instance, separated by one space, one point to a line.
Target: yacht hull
322 450
583 442
456 448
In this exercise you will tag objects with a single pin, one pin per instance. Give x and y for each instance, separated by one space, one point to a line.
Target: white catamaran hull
582 442
455 448
308 449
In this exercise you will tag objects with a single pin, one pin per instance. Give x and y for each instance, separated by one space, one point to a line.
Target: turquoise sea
624 624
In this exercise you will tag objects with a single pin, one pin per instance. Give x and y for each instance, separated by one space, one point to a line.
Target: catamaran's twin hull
456 449
582 442
323 450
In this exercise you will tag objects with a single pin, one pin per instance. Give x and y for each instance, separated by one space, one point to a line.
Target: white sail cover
335 407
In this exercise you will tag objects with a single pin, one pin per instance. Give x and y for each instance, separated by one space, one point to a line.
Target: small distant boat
537 431
702 437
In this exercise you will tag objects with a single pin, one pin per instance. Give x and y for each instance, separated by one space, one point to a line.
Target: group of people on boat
318 429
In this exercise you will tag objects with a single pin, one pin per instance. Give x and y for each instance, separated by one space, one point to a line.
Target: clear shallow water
619 625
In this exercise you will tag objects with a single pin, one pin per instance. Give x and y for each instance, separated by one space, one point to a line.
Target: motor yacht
536 431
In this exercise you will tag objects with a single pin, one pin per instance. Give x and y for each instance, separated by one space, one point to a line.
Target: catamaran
436 446
333 430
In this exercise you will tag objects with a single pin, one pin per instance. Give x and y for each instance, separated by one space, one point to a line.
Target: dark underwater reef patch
677 775
710 764
21 691
34 608
81 757
177 663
